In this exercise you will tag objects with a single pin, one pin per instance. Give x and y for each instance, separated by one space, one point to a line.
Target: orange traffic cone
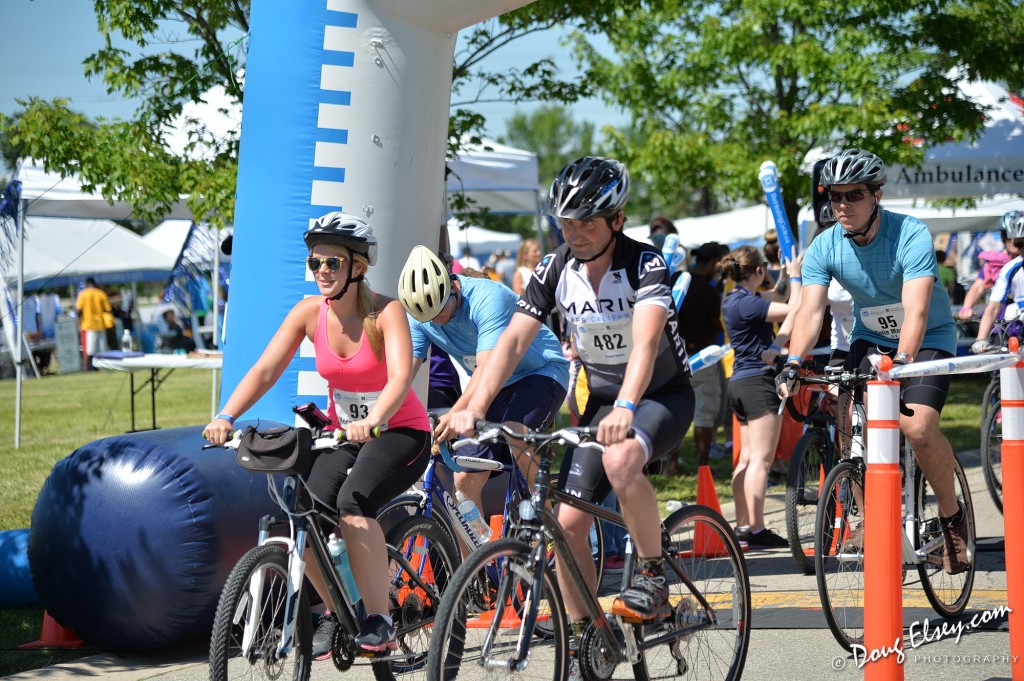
705 542
54 635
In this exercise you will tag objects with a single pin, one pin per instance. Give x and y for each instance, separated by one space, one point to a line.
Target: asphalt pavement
789 638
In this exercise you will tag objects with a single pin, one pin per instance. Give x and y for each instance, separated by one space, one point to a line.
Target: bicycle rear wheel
992 455
479 624
429 551
812 458
257 589
947 593
700 544
839 569
990 399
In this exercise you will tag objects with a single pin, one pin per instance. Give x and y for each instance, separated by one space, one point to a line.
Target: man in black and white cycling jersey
614 294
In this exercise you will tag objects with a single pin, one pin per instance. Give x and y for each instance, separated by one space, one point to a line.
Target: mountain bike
263 624
517 626
839 555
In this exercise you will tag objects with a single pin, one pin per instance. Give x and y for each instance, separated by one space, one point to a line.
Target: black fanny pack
277 450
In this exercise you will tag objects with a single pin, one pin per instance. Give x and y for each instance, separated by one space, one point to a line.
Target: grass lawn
61 413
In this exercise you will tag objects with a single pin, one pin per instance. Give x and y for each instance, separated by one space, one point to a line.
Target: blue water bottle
339 553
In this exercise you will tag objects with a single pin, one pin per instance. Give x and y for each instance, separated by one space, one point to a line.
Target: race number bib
884 320
605 342
469 361
351 406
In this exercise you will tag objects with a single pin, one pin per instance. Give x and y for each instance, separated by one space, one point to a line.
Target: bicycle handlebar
577 436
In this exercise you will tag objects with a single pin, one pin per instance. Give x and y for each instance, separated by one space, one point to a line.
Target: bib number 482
609 341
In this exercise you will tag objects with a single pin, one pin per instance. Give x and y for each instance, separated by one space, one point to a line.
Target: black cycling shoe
376 635
324 636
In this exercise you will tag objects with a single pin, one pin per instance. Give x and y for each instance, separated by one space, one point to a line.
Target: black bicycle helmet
589 186
342 229
853 166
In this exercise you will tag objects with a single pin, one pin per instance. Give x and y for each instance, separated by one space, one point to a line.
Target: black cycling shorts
359 479
927 390
753 396
661 422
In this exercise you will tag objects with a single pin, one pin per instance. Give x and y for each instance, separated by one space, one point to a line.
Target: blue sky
45 42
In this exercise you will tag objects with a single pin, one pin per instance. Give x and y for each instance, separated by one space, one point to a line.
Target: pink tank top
353 383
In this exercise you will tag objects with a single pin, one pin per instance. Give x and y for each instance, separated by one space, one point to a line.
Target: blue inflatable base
133 537
16 590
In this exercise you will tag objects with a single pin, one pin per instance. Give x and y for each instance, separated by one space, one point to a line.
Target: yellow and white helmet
424 284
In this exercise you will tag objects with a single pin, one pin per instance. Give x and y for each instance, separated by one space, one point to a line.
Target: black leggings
359 479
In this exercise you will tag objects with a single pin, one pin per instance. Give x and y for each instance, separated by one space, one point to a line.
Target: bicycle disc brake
342 654
597 663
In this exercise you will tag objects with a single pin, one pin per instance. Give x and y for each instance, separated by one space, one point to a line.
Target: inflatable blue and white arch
346 108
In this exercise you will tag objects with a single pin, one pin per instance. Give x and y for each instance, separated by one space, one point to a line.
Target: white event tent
498 177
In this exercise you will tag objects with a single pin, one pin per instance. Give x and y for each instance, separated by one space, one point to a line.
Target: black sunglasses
333 264
852 196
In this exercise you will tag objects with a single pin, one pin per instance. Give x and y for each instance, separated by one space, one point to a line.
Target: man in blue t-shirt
886 261
464 316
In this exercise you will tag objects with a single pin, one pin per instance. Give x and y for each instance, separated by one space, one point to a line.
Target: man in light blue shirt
464 316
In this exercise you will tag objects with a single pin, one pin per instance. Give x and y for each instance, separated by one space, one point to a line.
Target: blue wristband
626 404
225 417
775 347
793 358
796 279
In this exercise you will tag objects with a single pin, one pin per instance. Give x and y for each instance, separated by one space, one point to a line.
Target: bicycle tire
812 458
719 573
992 454
270 562
425 544
461 628
948 594
840 575
990 398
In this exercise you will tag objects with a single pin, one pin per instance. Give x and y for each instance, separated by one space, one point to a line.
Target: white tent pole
215 286
20 316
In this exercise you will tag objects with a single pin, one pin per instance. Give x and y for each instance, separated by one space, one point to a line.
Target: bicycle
435 495
839 562
812 458
263 624
483 629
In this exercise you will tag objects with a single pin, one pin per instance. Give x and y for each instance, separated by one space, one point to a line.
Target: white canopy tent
480 241
45 194
992 165
495 176
64 251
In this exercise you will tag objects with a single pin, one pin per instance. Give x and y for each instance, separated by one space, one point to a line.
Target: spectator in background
990 262
505 266
701 312
946 273
176 338
49 310
663 226
95 316
526 260
468 261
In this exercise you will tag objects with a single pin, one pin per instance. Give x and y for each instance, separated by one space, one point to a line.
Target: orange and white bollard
1012 385
883 576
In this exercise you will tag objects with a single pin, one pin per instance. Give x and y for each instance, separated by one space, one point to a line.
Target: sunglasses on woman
852 196
333 264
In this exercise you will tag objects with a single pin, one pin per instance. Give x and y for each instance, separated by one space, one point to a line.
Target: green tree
551 132
129 160
715 88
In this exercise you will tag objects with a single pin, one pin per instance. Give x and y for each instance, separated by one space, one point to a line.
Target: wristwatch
902 358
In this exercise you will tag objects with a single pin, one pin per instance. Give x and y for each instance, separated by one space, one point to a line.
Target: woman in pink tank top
364 352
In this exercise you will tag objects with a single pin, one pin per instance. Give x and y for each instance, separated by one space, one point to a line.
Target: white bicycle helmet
424 285
589 186
853 166
345 230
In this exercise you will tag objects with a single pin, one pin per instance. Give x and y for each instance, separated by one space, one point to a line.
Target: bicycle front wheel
701 545
255 597
992 454
479 628
839 553
812 458
947 593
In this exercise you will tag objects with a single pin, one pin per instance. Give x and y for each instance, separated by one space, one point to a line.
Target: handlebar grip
339 434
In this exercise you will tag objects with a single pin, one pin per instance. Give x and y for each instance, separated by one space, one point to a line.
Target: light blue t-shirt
485 312
874 276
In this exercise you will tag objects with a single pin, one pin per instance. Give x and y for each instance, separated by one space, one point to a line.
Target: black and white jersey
601 323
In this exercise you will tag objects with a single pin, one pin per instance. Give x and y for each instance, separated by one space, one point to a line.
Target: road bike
839 535
516 626
263 624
